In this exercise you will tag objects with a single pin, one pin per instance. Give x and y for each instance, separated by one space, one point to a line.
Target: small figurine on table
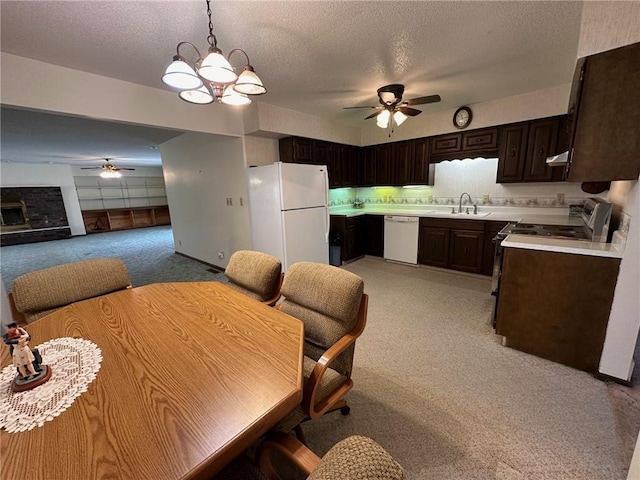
27 360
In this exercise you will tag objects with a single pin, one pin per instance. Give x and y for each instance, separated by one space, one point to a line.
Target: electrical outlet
221 255
485 198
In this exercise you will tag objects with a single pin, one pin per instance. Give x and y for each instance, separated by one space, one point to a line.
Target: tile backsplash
477 177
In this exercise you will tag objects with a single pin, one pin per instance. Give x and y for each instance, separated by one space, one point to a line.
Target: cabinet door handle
541 152
465 250
434 245
513 153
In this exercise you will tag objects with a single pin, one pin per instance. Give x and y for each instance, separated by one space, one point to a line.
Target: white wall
38 175
607 25
200 173
5 309
94 96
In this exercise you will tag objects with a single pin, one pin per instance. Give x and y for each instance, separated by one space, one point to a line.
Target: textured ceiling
316 57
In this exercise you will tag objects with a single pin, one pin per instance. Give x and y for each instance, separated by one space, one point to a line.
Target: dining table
191 375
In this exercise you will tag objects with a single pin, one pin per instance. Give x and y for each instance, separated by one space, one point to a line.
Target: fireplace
13 217
32 214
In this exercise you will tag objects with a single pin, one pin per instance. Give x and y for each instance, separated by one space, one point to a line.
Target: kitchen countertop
534 215
562 245
549 216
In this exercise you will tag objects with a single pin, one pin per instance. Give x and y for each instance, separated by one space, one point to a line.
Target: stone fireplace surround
46 217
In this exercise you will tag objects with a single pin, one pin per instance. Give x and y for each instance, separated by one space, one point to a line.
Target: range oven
595 217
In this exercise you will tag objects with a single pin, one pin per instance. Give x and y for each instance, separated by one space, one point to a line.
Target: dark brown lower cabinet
361 235
556 305
466 250
433 246
450 243
374 235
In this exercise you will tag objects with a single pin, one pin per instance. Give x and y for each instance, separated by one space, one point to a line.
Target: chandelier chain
211 38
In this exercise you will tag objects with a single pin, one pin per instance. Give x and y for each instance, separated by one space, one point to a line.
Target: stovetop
549 231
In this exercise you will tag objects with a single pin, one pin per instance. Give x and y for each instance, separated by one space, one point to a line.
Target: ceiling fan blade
374 115
423 100
123 168
90 168
410 112
347 108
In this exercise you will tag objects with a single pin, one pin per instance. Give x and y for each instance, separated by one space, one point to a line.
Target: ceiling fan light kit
108 170
392 110
213 77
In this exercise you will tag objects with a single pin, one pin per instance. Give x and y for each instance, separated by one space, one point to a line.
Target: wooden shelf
107 220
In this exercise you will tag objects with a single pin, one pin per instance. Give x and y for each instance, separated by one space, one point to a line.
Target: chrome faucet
475 207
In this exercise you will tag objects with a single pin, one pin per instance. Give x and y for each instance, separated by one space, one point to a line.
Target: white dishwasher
401 239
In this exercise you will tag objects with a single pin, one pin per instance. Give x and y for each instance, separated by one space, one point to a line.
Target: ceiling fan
108 169
392 109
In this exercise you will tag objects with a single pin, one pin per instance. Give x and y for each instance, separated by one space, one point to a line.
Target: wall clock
462 117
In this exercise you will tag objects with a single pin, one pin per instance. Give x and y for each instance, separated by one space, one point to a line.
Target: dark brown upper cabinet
524 148
472 143
604 113
295 149
401 162
420 172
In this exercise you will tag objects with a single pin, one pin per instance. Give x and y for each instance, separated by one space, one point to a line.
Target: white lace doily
74 364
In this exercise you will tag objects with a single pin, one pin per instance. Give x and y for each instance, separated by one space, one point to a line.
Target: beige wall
200 173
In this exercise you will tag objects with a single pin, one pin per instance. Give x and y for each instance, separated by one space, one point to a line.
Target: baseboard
213 267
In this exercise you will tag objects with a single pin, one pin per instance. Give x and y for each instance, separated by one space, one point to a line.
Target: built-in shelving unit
96 193
122 203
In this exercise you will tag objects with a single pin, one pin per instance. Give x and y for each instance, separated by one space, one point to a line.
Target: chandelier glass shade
200 96
212 77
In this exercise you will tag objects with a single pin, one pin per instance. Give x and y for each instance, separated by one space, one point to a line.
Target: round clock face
462 117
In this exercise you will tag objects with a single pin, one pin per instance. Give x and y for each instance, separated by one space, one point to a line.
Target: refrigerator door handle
326 189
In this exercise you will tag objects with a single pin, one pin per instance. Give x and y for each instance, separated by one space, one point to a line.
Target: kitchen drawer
446 143
476 225
480 140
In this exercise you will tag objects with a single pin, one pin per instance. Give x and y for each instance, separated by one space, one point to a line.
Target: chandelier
213 77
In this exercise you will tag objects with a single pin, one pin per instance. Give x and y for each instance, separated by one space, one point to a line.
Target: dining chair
333 306
354 458
256 274
36 294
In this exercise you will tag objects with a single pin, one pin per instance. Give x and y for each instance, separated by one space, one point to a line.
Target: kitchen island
556 296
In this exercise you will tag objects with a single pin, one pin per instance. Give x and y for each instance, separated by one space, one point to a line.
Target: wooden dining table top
192 374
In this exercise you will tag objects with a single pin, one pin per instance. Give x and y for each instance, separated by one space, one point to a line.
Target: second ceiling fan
108 169
392 109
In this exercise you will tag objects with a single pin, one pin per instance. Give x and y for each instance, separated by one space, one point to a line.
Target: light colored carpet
434 386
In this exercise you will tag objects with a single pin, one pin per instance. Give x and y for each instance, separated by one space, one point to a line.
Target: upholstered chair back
255 274
36 294
327 300
357 457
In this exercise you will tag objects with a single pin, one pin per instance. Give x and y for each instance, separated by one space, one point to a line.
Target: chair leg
299 435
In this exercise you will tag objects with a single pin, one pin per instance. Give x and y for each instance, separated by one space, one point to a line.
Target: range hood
560 160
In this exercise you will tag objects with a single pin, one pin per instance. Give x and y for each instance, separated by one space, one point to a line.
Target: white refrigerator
288 204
